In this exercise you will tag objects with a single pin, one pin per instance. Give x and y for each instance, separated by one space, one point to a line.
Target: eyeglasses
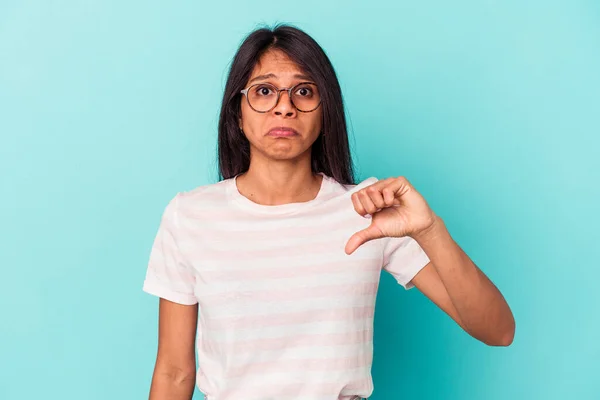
263 97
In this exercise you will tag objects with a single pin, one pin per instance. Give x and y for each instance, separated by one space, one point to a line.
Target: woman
274 270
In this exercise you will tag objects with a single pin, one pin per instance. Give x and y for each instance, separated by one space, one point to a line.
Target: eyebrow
267 76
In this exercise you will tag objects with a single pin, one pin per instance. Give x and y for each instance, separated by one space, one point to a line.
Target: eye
263 90
304 91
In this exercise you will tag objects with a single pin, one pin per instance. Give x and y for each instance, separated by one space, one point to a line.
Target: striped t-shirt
284 312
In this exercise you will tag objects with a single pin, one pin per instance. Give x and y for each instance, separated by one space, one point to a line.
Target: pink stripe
314 364
298 390
285 294
318 340
335 245
303 317
275 234
260 274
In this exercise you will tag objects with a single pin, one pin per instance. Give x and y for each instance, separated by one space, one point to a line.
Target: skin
175 368
280 173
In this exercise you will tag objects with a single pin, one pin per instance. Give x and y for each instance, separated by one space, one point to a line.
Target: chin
287 153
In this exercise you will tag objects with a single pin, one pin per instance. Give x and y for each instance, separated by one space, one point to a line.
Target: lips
282 131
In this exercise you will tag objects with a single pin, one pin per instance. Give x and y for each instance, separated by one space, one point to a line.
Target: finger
386 191
388 196
399 186
376 196
366 202
360 238
358 205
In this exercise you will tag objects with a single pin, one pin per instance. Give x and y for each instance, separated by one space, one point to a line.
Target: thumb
361 237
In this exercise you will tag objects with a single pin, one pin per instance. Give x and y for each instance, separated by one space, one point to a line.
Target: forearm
480 305
172 384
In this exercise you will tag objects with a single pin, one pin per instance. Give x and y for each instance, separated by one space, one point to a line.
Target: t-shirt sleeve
168 275
403 257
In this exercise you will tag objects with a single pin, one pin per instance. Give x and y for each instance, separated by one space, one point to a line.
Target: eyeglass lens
263 96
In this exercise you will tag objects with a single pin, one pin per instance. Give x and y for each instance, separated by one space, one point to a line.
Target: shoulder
351 188
212 195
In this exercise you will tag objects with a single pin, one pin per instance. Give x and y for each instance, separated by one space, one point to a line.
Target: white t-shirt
284 312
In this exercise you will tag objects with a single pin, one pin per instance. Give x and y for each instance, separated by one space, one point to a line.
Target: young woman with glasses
271 274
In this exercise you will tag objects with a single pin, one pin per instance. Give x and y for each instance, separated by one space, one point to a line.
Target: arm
175 369
454 283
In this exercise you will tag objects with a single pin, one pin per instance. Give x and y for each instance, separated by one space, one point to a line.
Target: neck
276 185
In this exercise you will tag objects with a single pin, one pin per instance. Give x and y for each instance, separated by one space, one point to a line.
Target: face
276 68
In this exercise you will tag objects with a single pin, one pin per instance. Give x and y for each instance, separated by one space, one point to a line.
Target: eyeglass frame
278 90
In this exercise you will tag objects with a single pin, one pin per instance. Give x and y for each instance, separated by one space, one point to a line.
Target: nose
284 106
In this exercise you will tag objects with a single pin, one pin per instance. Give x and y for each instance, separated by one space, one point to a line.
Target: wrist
433 231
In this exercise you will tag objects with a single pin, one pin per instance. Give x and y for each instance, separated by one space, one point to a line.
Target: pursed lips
282 131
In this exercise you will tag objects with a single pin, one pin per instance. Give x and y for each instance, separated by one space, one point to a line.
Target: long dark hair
330 153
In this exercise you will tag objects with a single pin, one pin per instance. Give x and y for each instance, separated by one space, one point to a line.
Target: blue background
491 109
